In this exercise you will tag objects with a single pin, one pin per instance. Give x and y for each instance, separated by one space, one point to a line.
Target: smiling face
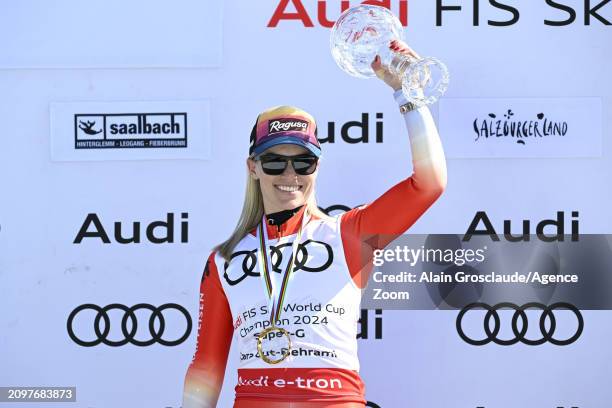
287 190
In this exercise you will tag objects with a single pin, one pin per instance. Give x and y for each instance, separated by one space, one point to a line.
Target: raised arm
205 373
374 225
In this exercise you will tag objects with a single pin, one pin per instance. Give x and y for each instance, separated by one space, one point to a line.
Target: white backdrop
163 52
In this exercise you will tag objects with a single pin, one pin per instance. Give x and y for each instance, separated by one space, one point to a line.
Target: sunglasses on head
275 164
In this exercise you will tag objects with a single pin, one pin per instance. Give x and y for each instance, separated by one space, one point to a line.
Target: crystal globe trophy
364 31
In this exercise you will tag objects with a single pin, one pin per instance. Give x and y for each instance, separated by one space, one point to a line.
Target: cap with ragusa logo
284 124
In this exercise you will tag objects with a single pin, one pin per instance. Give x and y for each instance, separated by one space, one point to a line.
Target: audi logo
321 251
519 334
129 333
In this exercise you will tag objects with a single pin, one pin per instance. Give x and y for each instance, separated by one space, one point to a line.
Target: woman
308 294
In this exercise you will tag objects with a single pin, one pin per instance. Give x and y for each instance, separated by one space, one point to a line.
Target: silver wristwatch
407 107
404 105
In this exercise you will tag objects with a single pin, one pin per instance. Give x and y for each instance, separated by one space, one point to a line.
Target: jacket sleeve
375 225
205 374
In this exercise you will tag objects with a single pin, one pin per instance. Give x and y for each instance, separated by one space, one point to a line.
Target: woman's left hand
382 72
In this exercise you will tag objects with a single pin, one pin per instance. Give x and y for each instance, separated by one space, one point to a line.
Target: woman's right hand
383 72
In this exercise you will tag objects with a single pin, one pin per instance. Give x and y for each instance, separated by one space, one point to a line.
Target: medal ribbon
276 306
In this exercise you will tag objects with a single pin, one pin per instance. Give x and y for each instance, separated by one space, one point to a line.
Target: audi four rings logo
129 333
519 312
249 259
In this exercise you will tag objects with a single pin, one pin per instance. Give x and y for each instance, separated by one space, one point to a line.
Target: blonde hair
252 212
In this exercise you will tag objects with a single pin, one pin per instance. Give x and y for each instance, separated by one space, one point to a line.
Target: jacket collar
289 227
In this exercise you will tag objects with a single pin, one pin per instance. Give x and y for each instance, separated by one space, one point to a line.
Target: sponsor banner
111 34
496 14
104 277
521 127
130 130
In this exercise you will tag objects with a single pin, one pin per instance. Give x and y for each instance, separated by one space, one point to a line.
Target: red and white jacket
322 304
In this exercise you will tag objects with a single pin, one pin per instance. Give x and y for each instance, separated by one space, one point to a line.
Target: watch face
407 107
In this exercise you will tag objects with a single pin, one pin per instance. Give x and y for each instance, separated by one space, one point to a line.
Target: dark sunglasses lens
274 166
305 165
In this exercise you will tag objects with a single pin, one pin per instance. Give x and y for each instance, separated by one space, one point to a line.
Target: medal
274 334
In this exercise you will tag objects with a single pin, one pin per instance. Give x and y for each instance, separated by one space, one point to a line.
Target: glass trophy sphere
359 34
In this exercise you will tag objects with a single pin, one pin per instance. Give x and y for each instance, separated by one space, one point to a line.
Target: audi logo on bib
319 254
129 325
519 333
